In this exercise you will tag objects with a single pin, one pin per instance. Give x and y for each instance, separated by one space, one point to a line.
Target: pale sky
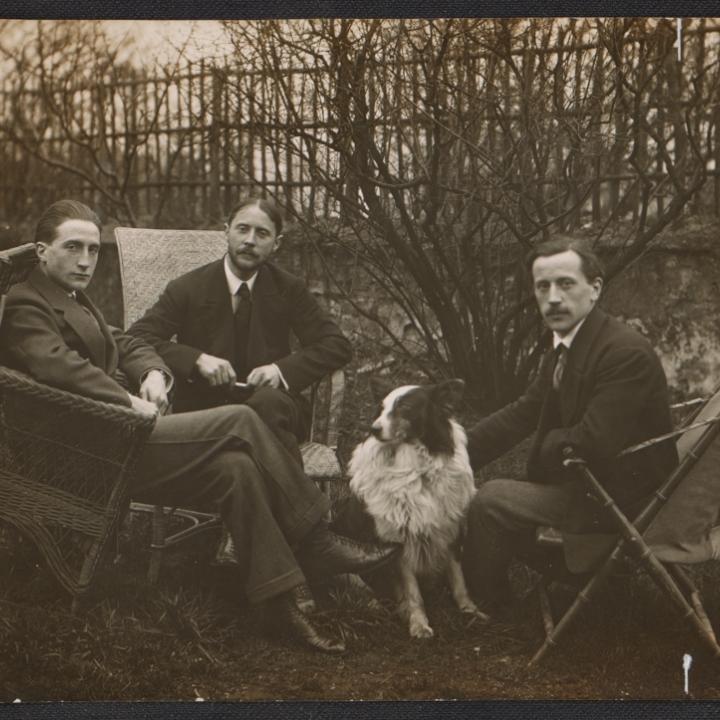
162 38
146 39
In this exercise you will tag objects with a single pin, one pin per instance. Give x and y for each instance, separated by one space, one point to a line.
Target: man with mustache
600 388
232 320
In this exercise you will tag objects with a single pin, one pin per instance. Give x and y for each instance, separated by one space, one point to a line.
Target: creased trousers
226 460
501 524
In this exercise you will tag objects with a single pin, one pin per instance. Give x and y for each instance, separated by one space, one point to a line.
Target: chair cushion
320 461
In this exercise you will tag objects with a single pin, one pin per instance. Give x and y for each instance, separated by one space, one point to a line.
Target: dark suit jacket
49 335
196 309
613 395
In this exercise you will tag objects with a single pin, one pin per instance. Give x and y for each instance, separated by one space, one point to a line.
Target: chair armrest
66 466
327 400
24 385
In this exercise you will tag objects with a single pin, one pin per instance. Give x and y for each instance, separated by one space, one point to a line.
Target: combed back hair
58 213
589 261
267 206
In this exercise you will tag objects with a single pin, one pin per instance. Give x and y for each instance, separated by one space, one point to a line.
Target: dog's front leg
459 590
412 607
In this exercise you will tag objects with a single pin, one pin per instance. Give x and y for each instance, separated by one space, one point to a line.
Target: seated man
225 458
232 320
601 388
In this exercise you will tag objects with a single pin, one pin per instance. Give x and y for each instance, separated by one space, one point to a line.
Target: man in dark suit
599 389
232 320
224 459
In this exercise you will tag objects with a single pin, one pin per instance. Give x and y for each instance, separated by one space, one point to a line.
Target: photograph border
329 710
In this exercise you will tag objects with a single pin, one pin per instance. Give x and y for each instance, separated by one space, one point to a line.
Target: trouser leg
282 413
501 520
227 460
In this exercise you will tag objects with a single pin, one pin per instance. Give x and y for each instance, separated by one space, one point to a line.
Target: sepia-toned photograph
360 359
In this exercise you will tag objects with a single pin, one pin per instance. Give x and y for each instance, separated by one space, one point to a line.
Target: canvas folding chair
677 527
66 462
149 259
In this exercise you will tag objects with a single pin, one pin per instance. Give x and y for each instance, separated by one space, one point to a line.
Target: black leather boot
324 553
286 619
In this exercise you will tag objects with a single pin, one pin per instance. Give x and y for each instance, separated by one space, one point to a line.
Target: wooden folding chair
678 526
66 462
149 259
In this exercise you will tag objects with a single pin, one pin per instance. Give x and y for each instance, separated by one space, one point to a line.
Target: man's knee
272 402
492 499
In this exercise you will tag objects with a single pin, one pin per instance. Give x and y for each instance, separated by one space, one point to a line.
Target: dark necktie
560 364
242 330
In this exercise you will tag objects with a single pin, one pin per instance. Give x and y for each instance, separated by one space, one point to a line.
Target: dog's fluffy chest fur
414 497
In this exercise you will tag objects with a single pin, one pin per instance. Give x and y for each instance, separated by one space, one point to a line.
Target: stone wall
672 296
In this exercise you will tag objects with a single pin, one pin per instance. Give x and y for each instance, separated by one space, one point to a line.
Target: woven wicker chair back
149 259
16 264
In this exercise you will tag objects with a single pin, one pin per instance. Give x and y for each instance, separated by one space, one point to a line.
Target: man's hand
216 371
153 390
144 407
265 376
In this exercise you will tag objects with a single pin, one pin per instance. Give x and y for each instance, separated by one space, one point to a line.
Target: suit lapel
578 358
109 347
95 336
216 312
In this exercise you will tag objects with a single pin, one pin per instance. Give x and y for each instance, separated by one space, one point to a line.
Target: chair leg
684 580
581 599
665 582
545 607
157 546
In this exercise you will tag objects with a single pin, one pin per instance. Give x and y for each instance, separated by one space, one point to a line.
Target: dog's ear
449 394
380 387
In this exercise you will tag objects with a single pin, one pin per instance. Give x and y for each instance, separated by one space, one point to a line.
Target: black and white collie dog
413 477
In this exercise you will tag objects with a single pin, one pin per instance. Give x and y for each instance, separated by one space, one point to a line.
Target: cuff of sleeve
282 377
169 379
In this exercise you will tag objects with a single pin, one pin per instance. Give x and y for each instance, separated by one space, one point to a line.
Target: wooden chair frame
670 578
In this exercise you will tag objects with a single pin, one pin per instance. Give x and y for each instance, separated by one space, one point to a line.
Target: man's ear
449 394
597 284
40 249
278 242
380 388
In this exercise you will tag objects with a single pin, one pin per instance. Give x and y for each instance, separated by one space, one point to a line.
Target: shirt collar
233 281
567 340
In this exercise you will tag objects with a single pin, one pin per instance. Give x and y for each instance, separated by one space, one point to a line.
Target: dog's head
419 412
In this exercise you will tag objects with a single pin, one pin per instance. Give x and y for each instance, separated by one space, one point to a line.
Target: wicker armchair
149 259
66 462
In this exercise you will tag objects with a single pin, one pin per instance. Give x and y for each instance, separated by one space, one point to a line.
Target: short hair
267 206
58 213
589 261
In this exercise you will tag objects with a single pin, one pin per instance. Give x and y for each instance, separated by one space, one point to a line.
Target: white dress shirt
567 339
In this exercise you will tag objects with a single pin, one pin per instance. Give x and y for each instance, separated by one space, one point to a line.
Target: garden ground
193 635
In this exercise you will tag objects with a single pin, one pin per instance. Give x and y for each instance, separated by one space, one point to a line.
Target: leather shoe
324 553
287 619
